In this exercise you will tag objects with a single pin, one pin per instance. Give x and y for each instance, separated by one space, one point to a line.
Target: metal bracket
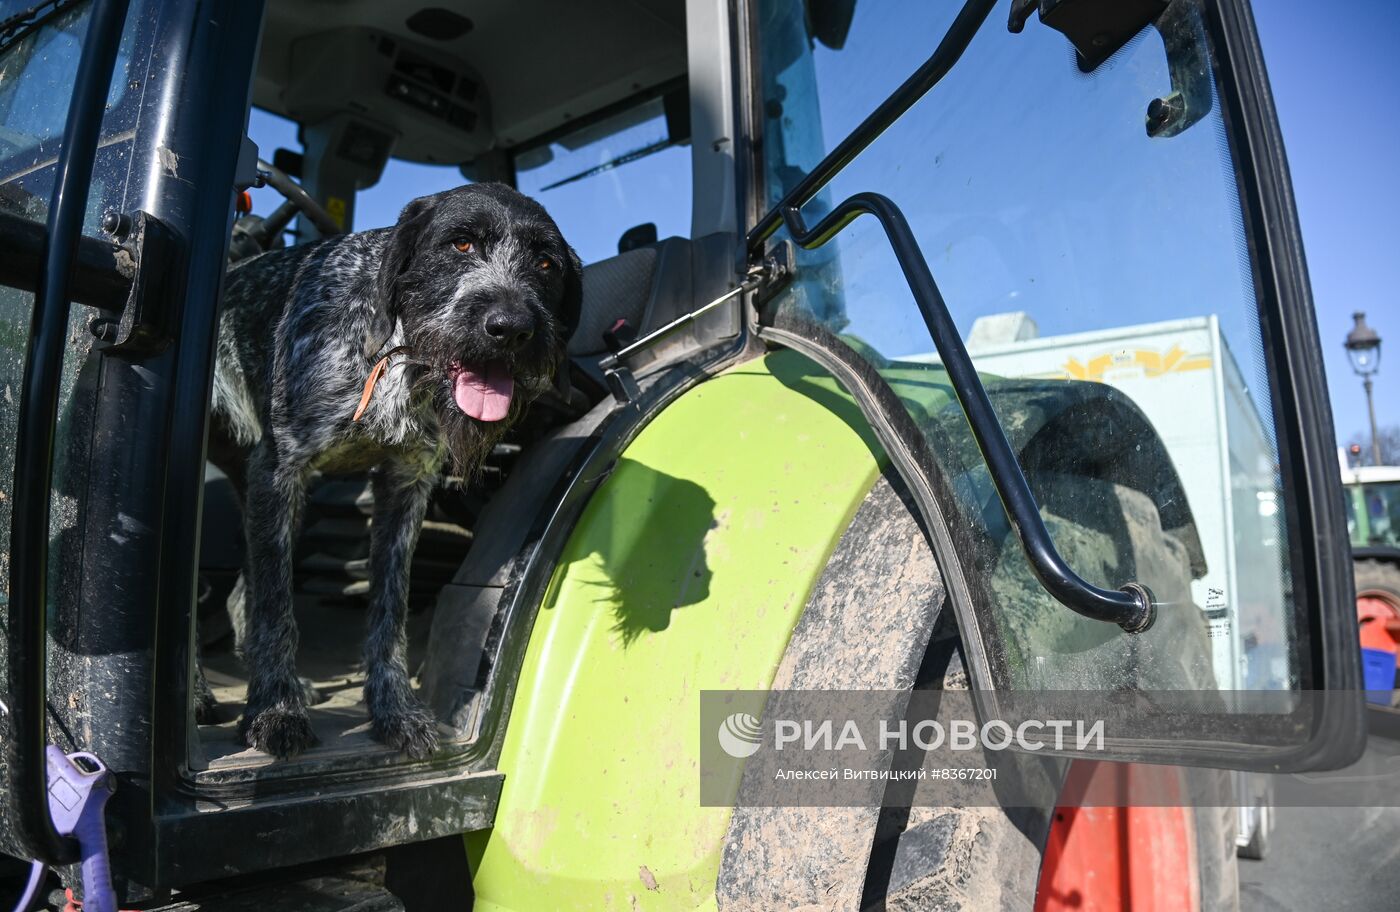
1184 39
779 266
147 255
621 382
1096 28
618 375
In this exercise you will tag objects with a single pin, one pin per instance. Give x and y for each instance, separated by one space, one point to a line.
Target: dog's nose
510 328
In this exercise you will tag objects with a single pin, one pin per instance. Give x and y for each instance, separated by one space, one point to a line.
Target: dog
396 350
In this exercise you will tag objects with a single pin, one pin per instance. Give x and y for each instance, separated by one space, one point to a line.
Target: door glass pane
36 83
1102 281
37 74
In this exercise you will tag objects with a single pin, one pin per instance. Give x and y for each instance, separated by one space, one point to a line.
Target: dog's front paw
412 730
278 731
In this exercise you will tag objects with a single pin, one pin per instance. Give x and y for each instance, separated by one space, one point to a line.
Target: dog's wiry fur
300 331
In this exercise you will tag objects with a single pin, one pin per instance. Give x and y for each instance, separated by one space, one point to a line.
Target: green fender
687 571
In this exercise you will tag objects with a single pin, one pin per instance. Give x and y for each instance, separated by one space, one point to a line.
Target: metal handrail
26 636
1130 607
98 279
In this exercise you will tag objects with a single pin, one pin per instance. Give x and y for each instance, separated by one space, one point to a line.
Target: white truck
1183 376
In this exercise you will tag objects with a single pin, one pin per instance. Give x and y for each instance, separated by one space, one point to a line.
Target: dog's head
487 293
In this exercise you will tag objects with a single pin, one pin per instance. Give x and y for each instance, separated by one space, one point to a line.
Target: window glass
35 72
615 174
402 181
597 182
1355 532
1101 279
1382 503
36 79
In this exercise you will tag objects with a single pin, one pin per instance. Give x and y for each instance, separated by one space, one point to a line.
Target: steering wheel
254 234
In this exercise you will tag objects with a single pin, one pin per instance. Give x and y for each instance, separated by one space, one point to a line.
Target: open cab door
1053 268
1059 268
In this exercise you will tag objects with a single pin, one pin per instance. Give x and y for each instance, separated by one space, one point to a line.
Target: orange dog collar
375 373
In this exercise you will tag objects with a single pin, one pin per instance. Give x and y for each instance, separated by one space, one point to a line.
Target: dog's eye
545 265
463 245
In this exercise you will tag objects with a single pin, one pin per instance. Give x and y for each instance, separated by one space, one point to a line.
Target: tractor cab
593 119
621 119
967 347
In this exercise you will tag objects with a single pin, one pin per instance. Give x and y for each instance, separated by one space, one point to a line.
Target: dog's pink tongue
483 393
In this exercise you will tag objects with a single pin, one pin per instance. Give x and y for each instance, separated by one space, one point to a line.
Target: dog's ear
570 311
571 305
398 253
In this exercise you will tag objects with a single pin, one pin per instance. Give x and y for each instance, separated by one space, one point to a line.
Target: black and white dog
394 349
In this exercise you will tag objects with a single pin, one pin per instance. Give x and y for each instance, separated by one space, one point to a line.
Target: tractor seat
648 287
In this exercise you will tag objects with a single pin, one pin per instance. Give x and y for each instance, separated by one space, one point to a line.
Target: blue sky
1334 70
1332 77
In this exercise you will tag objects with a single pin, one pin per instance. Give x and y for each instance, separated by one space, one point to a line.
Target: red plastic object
1116 859
1379 621
76 905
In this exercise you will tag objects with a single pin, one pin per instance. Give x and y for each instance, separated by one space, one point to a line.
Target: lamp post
1364 349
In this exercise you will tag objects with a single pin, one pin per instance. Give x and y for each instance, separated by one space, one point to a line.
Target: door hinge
146 256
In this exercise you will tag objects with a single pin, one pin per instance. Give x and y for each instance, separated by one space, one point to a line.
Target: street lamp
1364 349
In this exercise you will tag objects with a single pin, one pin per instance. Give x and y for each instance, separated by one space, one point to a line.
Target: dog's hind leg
275 720
401 491
231 458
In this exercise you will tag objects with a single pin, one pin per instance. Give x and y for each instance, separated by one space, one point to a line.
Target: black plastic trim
1375 552
1317 531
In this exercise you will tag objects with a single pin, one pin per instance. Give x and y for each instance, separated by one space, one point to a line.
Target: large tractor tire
1378 609
878 619
870 624
1378 579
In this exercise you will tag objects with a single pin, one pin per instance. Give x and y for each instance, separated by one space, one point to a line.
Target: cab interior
584 106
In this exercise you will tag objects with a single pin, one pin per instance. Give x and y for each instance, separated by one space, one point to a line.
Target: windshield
629 170
1373 514
1099 271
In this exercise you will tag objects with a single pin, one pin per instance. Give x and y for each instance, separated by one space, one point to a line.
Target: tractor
1372 499
781 465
